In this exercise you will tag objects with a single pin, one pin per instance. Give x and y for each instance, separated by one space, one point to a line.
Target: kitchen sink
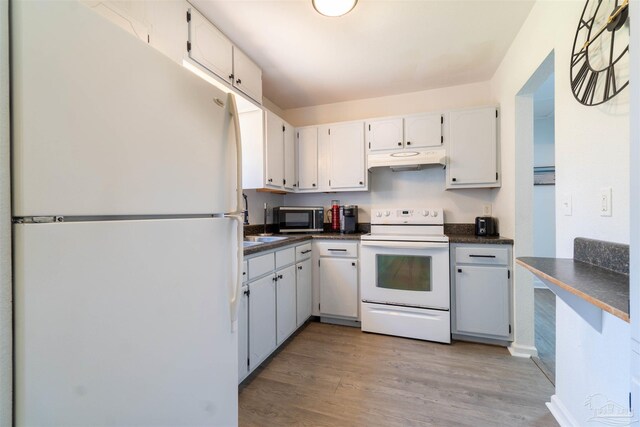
246 244
264 239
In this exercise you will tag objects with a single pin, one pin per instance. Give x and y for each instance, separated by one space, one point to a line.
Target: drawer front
245 271
495 256
303 252
338 249
285 257
261 265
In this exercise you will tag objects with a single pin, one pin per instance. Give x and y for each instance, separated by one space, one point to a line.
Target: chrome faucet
245 212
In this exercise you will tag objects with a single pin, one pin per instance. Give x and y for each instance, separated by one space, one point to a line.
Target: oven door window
404 272
293 219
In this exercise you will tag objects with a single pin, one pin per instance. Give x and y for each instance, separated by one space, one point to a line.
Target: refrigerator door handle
237 215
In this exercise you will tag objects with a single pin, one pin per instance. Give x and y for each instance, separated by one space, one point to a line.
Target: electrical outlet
605 201
486 210
566 205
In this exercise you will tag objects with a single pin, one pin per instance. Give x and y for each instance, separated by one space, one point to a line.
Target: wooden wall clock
600 57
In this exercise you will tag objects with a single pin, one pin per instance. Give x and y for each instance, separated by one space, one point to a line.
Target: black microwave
299 219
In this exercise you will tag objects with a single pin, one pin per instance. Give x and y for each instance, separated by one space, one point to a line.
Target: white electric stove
405 274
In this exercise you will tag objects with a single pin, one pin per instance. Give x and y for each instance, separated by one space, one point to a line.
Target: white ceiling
380 48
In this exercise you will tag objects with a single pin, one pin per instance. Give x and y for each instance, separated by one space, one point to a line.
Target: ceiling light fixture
334 7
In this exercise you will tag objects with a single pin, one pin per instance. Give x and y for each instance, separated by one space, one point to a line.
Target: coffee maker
348 219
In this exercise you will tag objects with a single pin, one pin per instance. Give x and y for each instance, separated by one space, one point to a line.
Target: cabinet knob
408 142
231 76
361 183
239 81
279 276
299 267
295 185
284 182
313 185
271 180
453 179
353 264
247 292
459 270
400 144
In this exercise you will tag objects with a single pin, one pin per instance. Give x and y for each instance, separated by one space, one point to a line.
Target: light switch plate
566 205
605 201
486 210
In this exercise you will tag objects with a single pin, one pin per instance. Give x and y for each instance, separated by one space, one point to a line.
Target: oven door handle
405 245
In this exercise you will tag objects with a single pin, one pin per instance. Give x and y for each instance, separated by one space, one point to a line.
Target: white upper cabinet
169 27
209 47
247 76
275 151
307 158
473 148
424 130
385 134
418 131
290 181
131 16
347 162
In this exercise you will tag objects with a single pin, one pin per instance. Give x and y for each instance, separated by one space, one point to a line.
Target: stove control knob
387 213
434 214
425 213
378 214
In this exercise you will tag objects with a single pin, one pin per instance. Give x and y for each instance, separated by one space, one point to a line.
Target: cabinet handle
337 250
279 276
306 252
284 182
239 81
400 144
482 256
408 142
459 270
299 267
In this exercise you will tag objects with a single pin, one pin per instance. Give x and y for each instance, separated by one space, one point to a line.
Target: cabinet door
339 287
482 300
169 29
243 335
289 158
424 130
286 303
303 291
385 134
347 167
131 16
262 320
247 76
308 158
275 151
472 147
209 47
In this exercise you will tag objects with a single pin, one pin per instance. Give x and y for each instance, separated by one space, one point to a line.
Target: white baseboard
560 412
518 350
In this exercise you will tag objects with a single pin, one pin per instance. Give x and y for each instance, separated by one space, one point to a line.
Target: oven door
406 273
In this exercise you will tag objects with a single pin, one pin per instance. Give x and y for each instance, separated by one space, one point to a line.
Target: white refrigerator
127 238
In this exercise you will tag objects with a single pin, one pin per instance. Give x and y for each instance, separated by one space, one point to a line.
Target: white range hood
407 160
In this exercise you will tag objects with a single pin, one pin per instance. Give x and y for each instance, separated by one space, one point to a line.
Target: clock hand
613 16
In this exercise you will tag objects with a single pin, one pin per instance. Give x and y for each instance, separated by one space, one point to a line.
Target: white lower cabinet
285 303
338 279
262 320
481 288
274 303
303 291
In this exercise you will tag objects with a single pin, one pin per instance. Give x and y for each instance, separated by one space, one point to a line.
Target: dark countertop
472 238
603 288
299 238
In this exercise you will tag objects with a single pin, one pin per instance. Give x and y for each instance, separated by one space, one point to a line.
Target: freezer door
125 323
104 124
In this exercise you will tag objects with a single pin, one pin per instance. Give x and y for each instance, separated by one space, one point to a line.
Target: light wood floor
339 376
545 326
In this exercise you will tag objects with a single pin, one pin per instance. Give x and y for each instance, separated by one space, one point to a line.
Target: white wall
592 151
256 200
544 214
423 188
6 343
